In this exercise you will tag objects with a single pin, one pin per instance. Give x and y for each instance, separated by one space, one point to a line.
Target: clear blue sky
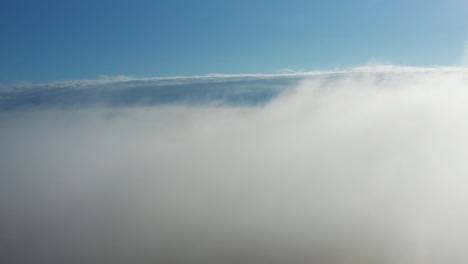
44 40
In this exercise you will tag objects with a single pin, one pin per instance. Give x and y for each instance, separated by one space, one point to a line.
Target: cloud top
362 166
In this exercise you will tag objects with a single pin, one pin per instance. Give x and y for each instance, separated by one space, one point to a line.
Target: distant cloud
465 53
112 90
217 77
286 71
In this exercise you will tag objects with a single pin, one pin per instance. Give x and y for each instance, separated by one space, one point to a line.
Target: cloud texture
365 167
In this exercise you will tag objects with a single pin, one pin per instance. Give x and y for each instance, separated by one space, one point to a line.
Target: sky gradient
56 40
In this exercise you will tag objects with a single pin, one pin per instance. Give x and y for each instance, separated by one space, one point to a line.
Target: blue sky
77 39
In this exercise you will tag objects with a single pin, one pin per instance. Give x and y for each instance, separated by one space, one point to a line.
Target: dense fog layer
364 168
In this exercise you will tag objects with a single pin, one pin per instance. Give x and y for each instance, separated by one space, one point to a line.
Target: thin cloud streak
218 89
218 77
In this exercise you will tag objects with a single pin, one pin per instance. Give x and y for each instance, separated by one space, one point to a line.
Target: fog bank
366 167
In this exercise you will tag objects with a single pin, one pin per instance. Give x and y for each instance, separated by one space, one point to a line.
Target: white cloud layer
369 167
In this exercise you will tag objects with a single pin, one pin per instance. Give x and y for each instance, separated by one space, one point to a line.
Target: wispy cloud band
251 89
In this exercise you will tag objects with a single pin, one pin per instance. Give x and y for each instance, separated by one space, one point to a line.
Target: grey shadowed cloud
368 166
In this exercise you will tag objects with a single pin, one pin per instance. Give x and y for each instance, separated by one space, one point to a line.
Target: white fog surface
367 167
